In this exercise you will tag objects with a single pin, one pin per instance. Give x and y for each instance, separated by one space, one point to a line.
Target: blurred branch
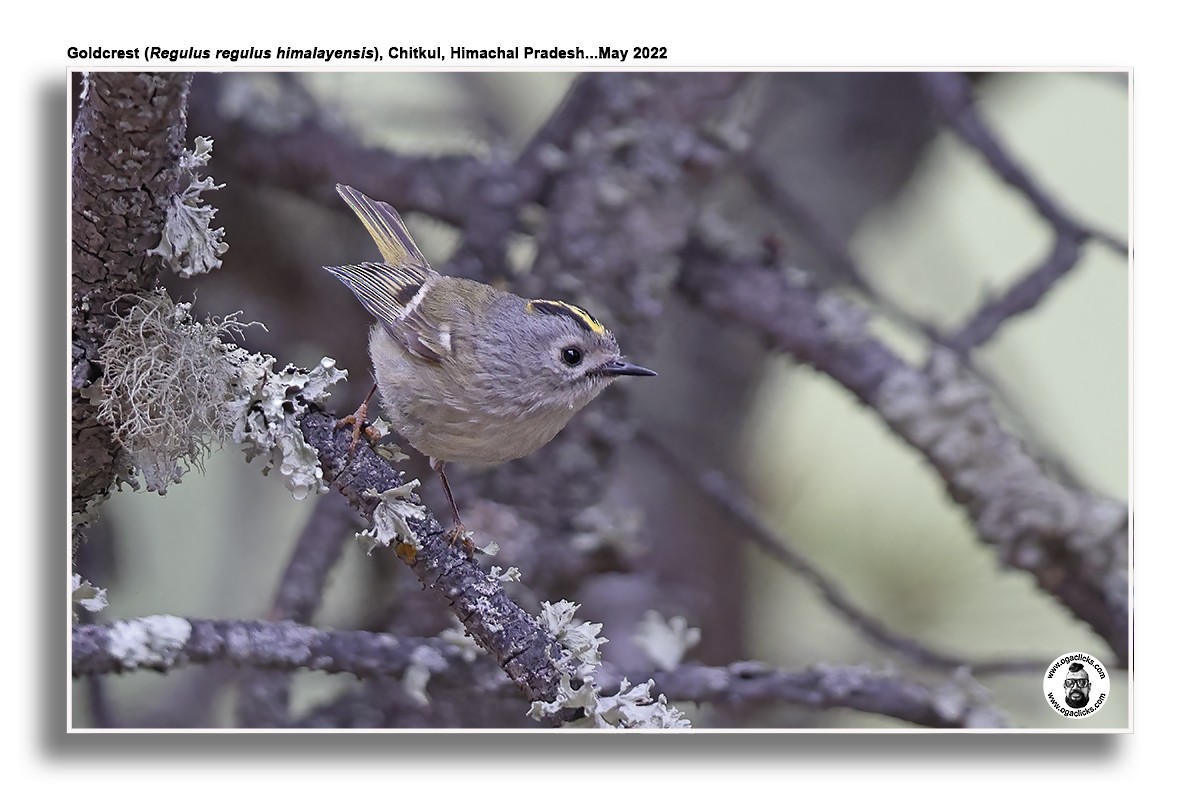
721 490
263 699
952 95
305 150
492 216
125 160
1023 296
824 240
101 649
956 704
289 646
1074 542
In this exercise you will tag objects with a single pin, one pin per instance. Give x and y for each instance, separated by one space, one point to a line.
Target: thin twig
952 95
827 243
1023 296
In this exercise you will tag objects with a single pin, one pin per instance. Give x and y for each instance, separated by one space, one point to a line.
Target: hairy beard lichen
166 388
173 391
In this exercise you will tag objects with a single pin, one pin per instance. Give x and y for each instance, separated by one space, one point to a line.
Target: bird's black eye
571 356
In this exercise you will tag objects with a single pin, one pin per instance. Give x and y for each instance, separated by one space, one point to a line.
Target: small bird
466 372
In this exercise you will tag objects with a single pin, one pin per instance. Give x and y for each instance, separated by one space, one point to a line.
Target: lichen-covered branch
959 703
125 163
162 643
1074 542
523 649
165 642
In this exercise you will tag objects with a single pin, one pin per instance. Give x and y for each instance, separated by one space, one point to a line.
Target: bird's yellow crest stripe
559 308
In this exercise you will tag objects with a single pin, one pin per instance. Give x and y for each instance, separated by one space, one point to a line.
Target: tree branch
1022 296
952 95
145 644
312 152
523 649
116 647
1074 542
125 161
955 704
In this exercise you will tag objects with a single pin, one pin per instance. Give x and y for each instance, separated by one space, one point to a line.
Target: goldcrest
467 372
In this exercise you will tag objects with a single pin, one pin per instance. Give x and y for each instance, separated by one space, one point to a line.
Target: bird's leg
359 420
459 530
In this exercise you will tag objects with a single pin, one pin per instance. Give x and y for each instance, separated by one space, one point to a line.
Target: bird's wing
394 296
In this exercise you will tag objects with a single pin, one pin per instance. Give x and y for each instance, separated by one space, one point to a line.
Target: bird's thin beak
619 367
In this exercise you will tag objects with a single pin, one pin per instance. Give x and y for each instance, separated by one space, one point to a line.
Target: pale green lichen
965 699
605 525
92 598
389 521
665 643
630 707
188 245
270 405
90 511
512 574
457 635
633 707
423 662
153 642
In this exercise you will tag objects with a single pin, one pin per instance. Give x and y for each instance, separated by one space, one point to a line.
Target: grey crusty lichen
173 390
630 707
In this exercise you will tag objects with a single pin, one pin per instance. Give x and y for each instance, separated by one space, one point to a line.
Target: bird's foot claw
360 427
459 534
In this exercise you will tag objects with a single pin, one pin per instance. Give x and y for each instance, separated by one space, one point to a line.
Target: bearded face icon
1077 686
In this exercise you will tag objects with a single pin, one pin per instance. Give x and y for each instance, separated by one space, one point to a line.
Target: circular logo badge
1076 685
